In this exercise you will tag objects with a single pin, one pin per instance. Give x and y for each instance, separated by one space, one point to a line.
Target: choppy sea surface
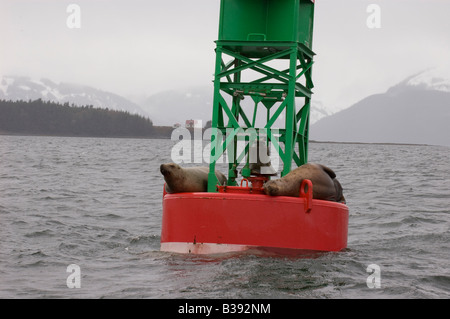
96 203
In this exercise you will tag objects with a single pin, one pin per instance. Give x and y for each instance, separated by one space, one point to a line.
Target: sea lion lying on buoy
187 180
325 184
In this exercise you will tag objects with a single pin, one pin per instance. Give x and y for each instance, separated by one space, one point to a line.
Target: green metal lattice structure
264 53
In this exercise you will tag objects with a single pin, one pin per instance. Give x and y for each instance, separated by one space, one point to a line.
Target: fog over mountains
415 111
176 106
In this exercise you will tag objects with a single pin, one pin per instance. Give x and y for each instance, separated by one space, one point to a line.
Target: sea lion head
173 175
170 169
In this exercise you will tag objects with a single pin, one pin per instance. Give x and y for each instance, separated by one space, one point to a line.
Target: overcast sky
141 47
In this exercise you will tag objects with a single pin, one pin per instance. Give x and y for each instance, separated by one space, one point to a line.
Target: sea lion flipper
167 189
339 192
328 170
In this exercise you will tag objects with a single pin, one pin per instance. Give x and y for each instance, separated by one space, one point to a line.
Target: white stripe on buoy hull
203 248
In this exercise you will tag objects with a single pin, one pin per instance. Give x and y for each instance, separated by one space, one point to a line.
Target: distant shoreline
3 133
373 143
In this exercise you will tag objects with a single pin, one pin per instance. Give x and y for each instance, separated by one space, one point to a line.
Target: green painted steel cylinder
267 20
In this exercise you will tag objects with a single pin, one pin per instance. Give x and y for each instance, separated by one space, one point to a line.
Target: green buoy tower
263 55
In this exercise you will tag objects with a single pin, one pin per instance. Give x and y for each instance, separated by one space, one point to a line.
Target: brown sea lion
187 180
325 184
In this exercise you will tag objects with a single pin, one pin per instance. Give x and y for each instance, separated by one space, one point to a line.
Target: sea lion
325 184
187 180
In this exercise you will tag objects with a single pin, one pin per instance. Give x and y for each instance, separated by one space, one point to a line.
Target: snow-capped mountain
24 88
437 79
415 111
318 111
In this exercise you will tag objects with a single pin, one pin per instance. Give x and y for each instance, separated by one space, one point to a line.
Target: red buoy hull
207 223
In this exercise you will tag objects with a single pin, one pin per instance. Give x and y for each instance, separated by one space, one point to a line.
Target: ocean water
96 203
